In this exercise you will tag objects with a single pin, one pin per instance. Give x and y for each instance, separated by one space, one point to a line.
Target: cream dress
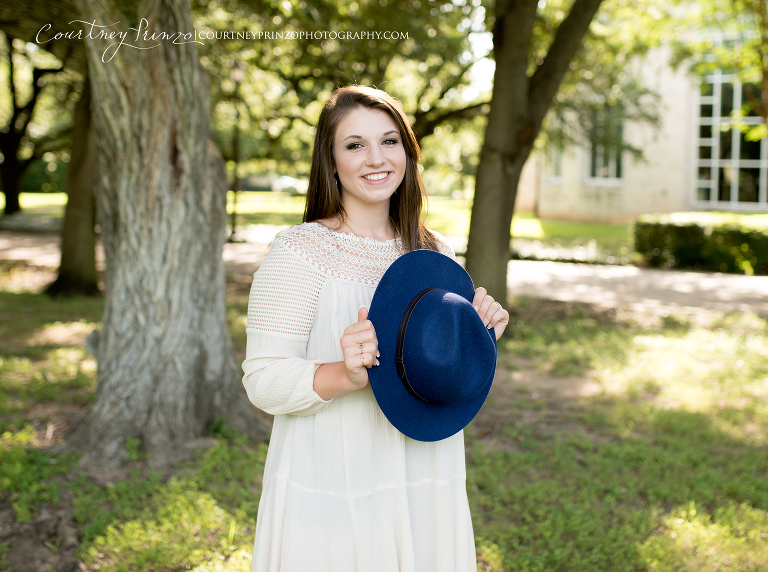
343 490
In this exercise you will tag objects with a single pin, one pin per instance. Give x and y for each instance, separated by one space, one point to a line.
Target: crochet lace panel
286 288
342 256
284 294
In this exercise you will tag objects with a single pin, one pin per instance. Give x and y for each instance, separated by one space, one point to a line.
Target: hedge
720 242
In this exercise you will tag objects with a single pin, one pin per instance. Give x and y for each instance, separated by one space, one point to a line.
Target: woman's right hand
361 348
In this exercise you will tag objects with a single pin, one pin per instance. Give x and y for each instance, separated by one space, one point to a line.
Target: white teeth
375 176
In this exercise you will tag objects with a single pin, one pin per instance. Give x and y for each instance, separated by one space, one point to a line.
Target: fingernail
377 362
378 353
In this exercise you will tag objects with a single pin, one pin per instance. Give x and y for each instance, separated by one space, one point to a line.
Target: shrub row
720 242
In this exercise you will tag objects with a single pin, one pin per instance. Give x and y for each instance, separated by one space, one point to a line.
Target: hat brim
406 277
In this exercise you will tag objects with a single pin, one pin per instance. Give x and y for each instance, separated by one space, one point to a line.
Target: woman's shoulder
310 242
442 244
300 236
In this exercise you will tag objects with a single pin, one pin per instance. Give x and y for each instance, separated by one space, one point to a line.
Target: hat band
399 364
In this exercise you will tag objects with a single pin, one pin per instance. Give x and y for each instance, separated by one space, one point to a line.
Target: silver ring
361 359
499 305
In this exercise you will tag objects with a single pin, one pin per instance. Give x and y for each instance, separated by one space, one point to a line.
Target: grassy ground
447 216
612 440
40 204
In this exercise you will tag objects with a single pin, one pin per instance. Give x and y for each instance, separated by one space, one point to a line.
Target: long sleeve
443 246
281 309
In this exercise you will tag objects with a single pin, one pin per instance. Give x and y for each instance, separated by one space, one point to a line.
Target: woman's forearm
331 380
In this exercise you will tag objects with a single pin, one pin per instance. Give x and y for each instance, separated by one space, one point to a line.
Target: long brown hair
324 197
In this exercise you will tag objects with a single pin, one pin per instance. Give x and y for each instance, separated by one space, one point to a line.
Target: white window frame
717 79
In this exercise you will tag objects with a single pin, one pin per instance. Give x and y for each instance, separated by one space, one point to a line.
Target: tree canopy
36 106
730 38
287 80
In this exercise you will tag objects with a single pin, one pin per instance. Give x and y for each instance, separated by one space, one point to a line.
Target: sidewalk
605 285
638 287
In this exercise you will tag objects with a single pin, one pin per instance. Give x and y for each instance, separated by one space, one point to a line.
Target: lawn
40 204
612 440
447 216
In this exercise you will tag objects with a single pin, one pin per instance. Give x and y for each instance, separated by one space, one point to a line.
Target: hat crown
448 354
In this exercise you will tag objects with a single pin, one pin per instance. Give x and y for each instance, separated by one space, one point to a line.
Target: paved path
40 249
606 285
638 287
44 250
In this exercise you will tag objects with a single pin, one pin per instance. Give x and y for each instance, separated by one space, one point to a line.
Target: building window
730 171
605 144
554 164
553 151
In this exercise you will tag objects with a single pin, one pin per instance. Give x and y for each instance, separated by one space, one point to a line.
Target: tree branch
291 118
420 97
454 79
11 86
427 126
293 81
762 47
55 142
24 20
52 142
546 80
28 109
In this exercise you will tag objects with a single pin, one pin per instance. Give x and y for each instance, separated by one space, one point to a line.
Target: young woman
343 490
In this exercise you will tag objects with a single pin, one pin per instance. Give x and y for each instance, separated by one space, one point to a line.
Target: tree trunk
166 363
489 230
10 172
508 140
77 270
519 104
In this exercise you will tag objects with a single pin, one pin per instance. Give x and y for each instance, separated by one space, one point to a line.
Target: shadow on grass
46 373
565 337
568 502
24 314
206 510
268 218
664 470
628 480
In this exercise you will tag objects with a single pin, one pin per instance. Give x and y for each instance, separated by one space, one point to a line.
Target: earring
338 182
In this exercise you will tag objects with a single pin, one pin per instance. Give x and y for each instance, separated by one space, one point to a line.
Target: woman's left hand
491 312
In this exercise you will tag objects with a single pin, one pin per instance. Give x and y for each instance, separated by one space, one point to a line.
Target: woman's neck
368 222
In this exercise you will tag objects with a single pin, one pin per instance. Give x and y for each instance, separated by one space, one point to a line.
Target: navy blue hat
437 357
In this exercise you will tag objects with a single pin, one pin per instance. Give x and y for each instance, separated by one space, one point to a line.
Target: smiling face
369 155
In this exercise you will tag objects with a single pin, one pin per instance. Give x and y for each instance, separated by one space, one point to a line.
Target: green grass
204 515
662 469
40 204
266 208
42 354
449 217
26 473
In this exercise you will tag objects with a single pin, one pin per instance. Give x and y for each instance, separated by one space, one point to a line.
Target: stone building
690 163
